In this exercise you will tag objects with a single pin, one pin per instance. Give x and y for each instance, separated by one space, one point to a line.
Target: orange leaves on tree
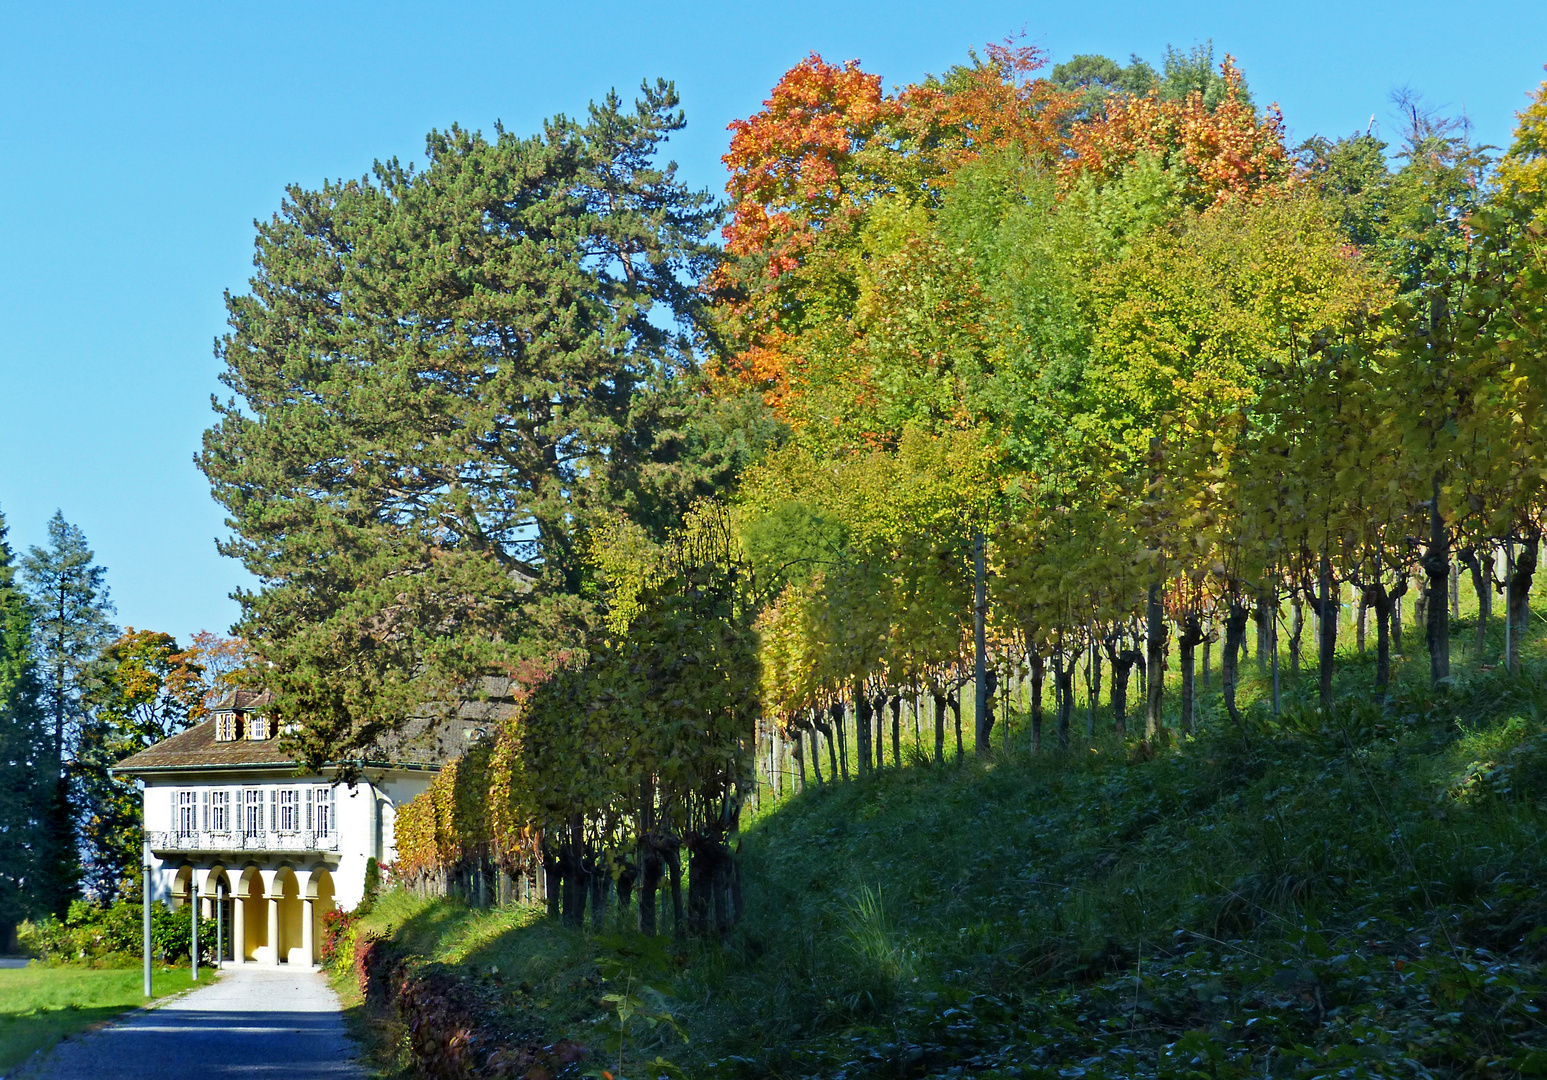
1225 153
988 106
791 163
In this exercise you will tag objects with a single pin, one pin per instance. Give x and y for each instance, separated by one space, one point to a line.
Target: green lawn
41 1005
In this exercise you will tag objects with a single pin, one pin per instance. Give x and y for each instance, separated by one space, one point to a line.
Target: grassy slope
40 1005
1358 891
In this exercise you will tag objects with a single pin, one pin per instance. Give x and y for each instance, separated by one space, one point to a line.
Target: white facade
275 850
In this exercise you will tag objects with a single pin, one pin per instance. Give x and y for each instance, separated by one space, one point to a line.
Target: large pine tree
442 378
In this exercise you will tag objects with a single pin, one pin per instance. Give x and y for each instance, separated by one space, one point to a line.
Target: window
219 811
187 813
290 810
322 811
258 728
228 727
253 804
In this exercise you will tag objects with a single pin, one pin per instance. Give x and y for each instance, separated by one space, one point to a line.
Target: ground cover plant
41 1003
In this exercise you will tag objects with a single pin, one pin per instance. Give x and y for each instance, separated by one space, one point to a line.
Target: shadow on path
253 1021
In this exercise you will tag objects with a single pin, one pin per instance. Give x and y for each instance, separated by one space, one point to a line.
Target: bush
109 935
338 935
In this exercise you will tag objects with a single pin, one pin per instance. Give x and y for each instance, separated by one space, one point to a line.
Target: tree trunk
897 732
1364 606
1517 608
1187 644
1155 640
1326 628
601 886
798 753
1229 666
553 874
1038 668
671 854
1375 596
956 714
836 712
1123 661
1297 624
816 751
652 870
862 716
1064 680
937 695
1436 566
1208 642
1482 585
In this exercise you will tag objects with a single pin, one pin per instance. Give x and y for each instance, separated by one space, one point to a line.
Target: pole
220 928
145 904
979 614
193 904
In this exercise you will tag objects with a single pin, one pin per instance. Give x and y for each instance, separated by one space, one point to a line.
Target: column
308 950
239 929
273 929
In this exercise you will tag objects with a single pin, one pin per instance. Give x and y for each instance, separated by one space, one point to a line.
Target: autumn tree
141 690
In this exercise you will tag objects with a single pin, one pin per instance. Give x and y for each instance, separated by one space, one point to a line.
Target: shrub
107 935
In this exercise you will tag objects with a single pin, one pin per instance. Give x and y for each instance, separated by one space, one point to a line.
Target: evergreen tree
442 377
72 623
24 750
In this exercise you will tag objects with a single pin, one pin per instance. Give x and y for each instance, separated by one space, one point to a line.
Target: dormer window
257 727
228 726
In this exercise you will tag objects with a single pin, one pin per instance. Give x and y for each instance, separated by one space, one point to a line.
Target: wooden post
980 666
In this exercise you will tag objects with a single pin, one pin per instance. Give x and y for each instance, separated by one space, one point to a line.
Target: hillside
1353 894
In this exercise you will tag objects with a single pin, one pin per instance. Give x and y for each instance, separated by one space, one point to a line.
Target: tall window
322 812
290 810
253 805
219 811
187 812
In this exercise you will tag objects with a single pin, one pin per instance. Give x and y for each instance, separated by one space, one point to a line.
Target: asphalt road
252 1021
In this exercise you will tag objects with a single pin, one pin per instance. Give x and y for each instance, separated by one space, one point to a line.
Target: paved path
252 1022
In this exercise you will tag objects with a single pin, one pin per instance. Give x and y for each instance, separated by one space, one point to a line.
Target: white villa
230 822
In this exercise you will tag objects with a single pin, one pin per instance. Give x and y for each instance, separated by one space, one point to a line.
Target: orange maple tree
1224 153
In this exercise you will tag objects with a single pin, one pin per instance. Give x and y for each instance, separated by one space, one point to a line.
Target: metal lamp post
193 904
145 904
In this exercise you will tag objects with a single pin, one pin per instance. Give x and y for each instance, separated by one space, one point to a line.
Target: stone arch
218 896
214 878
178 894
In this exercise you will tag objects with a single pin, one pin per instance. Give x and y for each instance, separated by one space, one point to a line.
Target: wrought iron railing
304 840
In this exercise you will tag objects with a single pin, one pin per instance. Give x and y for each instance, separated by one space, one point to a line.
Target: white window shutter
273 809
204 810
308 809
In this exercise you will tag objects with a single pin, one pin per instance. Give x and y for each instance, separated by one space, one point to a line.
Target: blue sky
144 139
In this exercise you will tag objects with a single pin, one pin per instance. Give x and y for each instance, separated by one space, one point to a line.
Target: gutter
259 766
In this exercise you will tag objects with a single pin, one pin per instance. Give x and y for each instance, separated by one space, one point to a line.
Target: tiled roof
423 742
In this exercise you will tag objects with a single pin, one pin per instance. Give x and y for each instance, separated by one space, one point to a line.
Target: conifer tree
73 621
24 751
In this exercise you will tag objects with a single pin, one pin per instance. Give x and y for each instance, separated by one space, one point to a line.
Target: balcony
237 841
